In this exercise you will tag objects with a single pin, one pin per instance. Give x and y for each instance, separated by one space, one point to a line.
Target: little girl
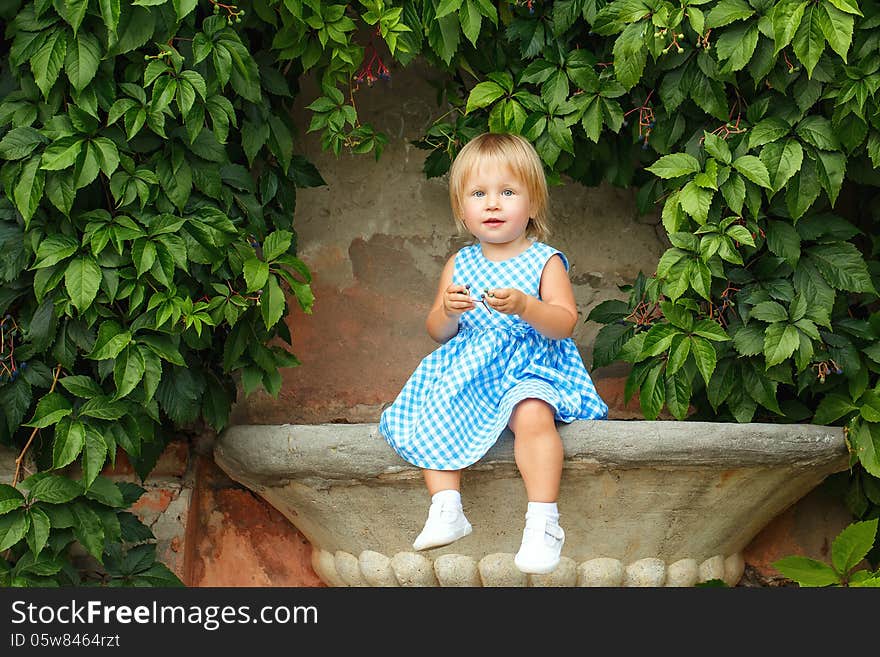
504 315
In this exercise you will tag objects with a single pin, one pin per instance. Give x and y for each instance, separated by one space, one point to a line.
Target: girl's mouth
493 222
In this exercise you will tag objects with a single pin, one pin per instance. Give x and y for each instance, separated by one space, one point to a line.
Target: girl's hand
507 300
456 300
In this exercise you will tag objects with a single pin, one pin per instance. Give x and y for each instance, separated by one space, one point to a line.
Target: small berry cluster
233 13
662 32
530 4
646 120
373 68
826 367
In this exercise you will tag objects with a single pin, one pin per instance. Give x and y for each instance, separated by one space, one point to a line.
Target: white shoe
541 546
445 524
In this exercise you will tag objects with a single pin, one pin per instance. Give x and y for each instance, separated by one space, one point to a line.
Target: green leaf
749 340
783 160
843 266
179 394
82 60
783 240
69 441
108 155
817 130
184 7
143 254
94 455
10 498
696 201
106 492
769 311
163 347
678 393
630 54
760 388
849 6
82 280
705 356
802 190
728 11
866 445
112 338
256 273
62 154
88 529
780 341
677 357
29 189
471 20
47 61
272 302
608 343
677 314
652 393
50 409
768 130
753 169
13 527
832 167
737 45
716 147
81 386
158 575
128 370
809 39
245 75
675 165
54 249
103 408
20 142
55 489
710 329
447 7
806 571
38 535
482 95
734 192
110 12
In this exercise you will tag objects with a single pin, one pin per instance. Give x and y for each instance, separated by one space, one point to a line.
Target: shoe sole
543 570
467 530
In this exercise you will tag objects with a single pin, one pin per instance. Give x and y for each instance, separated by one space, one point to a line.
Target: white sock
547 510
448 498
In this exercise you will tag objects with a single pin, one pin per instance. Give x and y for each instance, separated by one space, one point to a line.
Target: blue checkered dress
459 399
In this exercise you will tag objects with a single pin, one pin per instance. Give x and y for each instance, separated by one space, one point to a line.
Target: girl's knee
532 415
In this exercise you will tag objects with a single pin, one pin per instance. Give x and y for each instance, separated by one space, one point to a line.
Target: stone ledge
661 500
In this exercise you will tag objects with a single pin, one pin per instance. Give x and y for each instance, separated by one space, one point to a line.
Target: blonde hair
511 151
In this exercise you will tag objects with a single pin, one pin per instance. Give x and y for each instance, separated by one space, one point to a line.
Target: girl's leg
437 480
537 449
446 522
538 453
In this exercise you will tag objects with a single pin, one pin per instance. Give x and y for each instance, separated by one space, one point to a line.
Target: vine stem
27 446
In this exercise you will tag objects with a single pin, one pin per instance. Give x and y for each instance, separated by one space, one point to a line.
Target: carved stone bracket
642 503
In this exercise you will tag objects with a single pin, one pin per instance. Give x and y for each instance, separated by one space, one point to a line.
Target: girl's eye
507 192
478 194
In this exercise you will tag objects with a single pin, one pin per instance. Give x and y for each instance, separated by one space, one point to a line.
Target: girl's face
496 205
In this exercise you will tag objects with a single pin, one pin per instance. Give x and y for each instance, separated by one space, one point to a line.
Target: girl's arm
451 301
554 315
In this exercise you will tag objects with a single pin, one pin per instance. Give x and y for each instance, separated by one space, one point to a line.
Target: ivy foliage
848 550
149 185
